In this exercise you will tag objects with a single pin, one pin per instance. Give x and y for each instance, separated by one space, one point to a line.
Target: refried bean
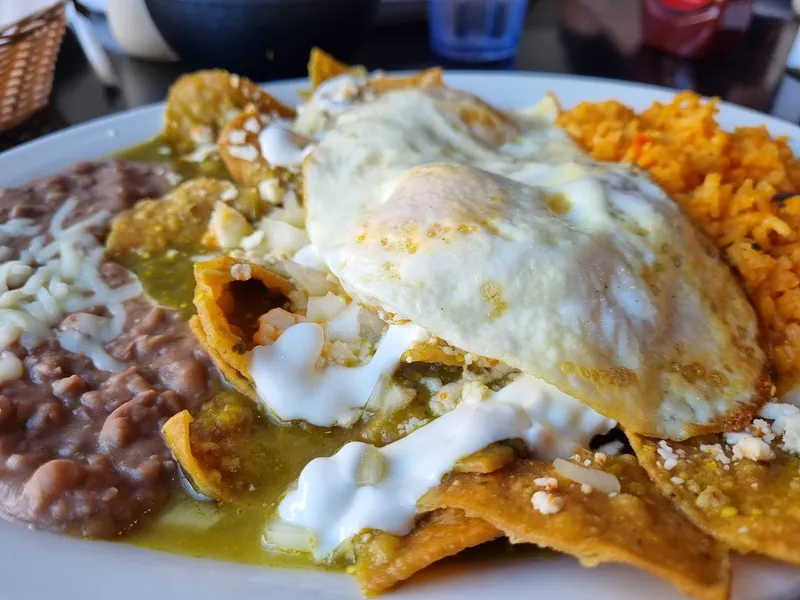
80 448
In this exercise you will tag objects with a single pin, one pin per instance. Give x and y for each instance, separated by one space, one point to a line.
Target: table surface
585 37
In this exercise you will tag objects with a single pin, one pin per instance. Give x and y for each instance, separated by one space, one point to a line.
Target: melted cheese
11 367
510 243
56 276
329 502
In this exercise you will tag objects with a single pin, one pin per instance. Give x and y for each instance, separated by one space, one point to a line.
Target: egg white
497 234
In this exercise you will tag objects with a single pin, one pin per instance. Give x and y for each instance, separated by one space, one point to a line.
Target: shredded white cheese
597 479
10 367
56 275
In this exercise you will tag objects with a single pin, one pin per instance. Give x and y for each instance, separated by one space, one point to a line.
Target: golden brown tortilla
490 459
176 221
212 446
251 172
637 527
176 432
751 507
234 377
383 560
201 103
322 66
229 303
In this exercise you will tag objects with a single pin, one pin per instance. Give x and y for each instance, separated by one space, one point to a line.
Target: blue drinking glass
476 30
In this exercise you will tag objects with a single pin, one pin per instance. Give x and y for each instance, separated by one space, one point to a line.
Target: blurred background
118 54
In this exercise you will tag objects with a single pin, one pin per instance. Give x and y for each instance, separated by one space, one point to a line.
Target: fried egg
497 234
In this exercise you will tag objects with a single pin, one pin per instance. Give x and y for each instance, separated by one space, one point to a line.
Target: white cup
134 30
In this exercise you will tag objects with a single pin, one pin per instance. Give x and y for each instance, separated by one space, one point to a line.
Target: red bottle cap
686 5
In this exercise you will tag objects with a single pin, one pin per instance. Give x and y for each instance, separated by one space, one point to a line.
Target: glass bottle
695 28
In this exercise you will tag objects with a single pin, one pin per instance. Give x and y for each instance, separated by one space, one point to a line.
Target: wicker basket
28 52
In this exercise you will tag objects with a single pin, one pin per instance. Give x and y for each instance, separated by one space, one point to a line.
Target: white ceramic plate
39 566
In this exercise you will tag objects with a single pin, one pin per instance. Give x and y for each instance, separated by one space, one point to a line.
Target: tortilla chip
229 373
251 172
228 308
200 104
178 220
383 560
724 503
637 527
490 459
157 238
322 66
209 448
177 436
426 78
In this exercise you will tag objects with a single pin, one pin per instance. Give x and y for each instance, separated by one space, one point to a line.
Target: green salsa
158 150
231 532
277 453
167 279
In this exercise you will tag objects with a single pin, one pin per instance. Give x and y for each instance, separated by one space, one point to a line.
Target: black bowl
261 39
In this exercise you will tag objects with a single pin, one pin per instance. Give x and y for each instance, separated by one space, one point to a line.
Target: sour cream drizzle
333 508
292 386
282 147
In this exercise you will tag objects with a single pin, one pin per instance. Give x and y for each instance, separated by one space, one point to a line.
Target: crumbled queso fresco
748 446
242 272
548 483
778 423
479 377
547 503
668 455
